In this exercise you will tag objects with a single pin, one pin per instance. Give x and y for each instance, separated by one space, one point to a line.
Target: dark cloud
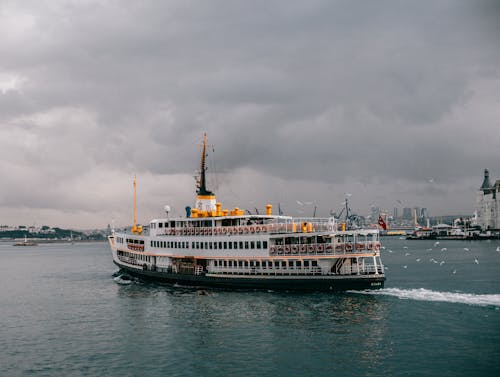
301 99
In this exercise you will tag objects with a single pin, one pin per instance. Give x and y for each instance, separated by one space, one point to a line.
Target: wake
422 294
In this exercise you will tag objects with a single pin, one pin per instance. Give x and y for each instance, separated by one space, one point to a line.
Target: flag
381 222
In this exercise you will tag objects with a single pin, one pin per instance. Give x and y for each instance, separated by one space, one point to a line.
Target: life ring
295 249
252 230
272 249
338 248
257 229
377 247
311 248
240 230
264 228
280 249
329 248
360 246
320 248
348 247
287 249
303 248
246 230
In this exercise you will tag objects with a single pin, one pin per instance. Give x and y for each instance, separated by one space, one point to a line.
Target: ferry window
192 245
276 264
172 224
258 244
206 245
241 244
160 225
220 245
298 264
246 244
314 263
283 264
257 263
306 263
246 263
240 263
210 245
252 245
264 244
215 245
225 263
175 244
201 245
225 244
230 263
235 245
230 244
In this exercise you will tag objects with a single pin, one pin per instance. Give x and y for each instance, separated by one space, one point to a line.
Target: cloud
302 101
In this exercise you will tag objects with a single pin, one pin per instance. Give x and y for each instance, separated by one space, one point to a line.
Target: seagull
442 262
436 243
476 261
444 249
382 247
390 251
454 272
429 249
405 247
418 259
498 248
406 254
405 266
466 249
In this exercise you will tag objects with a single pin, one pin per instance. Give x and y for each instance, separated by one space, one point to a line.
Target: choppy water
63 313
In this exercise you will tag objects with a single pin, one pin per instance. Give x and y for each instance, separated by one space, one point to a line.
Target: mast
202 188
205 200
135 228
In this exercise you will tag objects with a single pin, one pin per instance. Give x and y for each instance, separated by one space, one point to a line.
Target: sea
66 310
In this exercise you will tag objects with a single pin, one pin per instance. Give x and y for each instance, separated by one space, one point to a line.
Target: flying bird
466 249
444 249
476 261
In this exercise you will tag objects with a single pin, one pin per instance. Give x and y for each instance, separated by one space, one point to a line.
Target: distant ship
25 242
215 247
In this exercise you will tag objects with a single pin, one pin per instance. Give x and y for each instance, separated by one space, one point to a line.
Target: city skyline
395 104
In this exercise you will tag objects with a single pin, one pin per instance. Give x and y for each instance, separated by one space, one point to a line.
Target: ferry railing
265 271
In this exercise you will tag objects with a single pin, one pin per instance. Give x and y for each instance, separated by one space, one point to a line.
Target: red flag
381 222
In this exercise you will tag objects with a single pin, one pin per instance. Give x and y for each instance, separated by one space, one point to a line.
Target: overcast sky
394 102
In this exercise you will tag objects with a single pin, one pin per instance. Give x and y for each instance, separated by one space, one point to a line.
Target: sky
396 103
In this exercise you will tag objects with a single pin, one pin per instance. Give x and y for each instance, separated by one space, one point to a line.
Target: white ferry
215 247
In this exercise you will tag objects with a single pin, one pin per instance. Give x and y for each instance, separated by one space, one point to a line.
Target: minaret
205 200
486 186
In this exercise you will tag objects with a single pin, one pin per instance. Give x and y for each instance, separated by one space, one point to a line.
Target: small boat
227 248
25 243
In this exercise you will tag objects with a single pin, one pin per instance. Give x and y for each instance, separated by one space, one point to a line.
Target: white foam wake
422 294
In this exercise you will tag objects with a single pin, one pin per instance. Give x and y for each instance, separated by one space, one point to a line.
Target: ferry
229 249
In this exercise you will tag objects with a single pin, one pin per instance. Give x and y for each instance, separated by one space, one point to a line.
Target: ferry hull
266 282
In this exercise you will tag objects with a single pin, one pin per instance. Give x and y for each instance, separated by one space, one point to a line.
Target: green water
63 313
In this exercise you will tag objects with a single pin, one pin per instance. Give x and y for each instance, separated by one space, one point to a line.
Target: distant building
423 213
407 213
395 213
488 204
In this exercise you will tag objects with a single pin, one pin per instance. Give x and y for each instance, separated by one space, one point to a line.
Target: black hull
309 283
